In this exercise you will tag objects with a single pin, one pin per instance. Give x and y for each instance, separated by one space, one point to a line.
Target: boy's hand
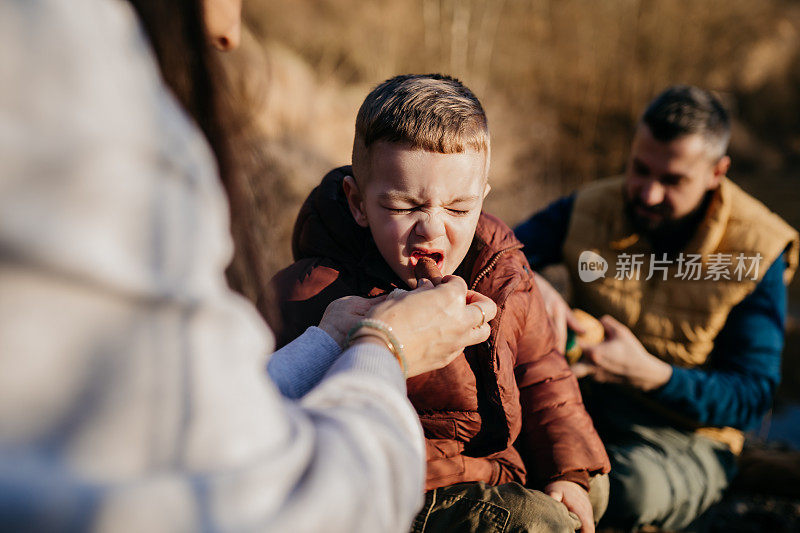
576 500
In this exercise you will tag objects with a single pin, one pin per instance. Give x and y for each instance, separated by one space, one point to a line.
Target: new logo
591 266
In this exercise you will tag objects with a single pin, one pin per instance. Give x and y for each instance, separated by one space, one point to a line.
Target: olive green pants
477 508
661 475
666 478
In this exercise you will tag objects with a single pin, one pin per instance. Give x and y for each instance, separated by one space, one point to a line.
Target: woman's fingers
480 311
344 313
424 284
478 334
457 280
482 315
436 323
360 306
485 303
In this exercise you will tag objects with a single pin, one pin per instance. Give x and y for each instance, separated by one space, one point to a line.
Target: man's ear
720 170
355 201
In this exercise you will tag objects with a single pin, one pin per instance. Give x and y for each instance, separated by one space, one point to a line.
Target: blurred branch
432 21
487 35
459 35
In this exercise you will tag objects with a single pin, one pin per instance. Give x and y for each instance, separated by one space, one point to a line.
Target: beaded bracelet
387 336
387 342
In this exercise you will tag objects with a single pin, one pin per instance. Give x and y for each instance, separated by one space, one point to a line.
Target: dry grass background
562 82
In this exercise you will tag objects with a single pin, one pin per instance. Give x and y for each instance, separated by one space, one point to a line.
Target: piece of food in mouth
426 268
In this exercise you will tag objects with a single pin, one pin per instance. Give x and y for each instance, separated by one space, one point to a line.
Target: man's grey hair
685 110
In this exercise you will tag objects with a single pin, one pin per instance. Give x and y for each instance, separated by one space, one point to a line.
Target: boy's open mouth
437 256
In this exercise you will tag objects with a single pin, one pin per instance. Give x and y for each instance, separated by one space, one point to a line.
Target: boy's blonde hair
430 112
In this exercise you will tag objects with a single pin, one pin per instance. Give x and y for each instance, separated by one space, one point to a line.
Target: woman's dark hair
177 34
189 66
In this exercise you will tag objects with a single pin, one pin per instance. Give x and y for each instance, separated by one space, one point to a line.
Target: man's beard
666 234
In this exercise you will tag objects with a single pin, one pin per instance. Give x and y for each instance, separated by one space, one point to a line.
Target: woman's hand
341 315
434 324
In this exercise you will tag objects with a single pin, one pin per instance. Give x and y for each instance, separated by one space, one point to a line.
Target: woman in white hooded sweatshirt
133 395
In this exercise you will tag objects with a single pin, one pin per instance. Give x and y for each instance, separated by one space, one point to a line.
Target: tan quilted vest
676 319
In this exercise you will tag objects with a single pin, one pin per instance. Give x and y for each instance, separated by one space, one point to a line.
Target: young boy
505 414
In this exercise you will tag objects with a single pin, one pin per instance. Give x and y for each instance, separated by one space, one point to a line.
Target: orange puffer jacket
508 409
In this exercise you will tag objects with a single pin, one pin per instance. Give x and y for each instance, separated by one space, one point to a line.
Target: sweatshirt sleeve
300 365
737 385
132 387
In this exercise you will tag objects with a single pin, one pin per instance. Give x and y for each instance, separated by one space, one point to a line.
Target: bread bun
594 333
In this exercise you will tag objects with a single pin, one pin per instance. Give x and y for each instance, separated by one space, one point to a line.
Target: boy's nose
430 227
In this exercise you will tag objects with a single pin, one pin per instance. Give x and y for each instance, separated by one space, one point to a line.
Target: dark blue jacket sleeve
544 233
737 385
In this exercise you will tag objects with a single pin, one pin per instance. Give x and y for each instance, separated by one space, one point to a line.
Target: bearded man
689 275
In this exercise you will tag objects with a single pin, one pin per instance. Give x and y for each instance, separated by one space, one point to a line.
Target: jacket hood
326 228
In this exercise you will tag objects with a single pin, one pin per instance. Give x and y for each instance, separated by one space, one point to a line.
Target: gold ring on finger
483 316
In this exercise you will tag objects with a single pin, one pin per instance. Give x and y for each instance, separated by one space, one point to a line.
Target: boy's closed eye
403 203
401 210
405 210
463 206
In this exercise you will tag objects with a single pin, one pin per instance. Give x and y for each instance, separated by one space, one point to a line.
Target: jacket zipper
491 265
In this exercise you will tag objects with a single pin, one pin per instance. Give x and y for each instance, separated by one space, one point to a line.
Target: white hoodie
133 395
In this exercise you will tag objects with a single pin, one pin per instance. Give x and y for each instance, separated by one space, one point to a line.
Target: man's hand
576 499
621 358
559 312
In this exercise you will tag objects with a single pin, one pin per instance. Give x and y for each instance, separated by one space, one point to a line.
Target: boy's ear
355 201
486 190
